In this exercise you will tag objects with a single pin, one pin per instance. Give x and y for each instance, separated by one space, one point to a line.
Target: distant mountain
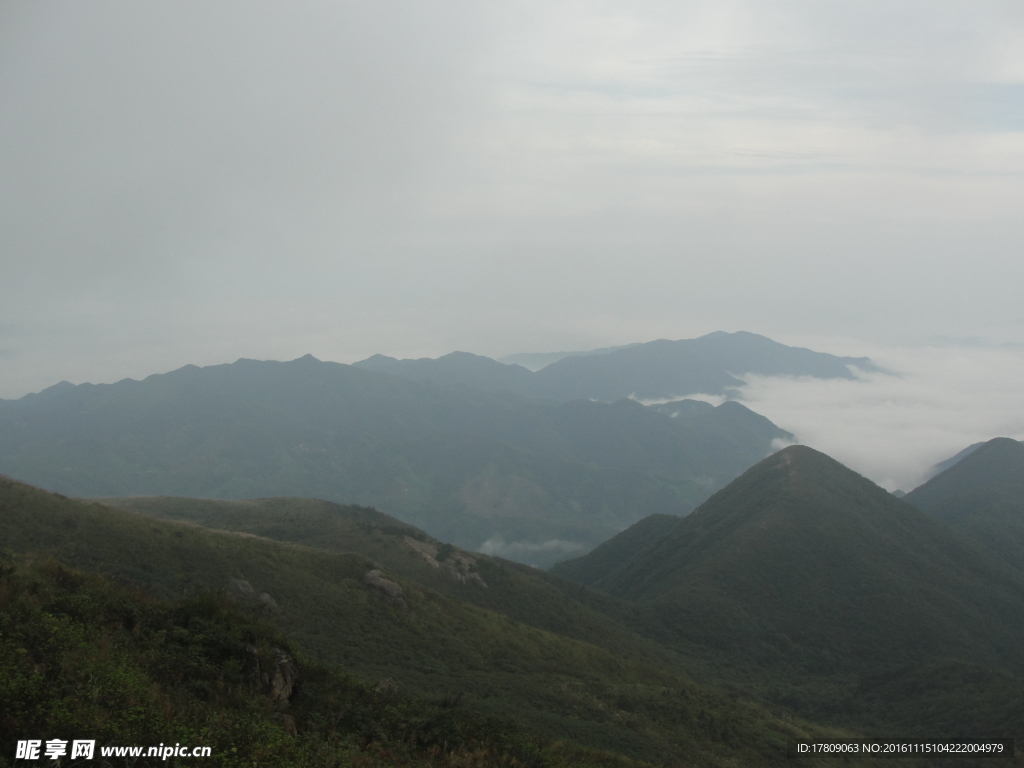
657 370
528 480
537 360
801 569
982 496
710 364
942 466
458 369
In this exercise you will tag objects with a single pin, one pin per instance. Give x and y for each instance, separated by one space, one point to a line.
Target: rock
285 680
268 601
243 587
386 587
286 677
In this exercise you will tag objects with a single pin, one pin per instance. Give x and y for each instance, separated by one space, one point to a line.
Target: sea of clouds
894 426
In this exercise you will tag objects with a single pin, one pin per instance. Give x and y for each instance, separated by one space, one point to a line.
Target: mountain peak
800 554
982 497
998 462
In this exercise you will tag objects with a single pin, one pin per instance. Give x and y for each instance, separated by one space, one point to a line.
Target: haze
188 183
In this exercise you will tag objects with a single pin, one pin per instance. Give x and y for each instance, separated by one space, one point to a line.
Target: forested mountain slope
982 496
802 572
532 481
344 610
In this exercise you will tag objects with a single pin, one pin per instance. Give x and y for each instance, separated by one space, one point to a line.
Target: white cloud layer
894 428
191 182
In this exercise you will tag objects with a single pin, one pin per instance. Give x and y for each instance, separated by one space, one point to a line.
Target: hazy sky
194 182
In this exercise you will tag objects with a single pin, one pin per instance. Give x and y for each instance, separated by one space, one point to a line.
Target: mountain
808 555
656 370
982 497
942 466
537 360
533 481
801 576
528 595
459 369
709 364
339 609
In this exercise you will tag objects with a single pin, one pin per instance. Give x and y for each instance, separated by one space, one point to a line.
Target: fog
894 427
194 183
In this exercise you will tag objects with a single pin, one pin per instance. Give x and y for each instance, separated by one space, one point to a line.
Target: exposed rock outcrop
277 678
385 587
459 564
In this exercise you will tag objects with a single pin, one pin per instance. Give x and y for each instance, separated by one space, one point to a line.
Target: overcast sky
194 182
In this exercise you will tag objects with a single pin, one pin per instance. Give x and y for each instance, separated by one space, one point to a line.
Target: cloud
194 182
894 428
520 550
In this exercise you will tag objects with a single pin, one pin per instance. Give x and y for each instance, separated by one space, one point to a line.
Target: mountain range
448 445
798 601
656 370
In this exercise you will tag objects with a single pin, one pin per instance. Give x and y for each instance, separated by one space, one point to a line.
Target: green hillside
612 563
982 497
804 580
83 658
340 609
528 595
533 481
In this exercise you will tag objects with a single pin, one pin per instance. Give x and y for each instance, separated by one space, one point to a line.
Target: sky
195 182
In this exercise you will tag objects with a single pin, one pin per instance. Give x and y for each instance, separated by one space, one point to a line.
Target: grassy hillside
982 497
82 658
558 687
534 481
526 594
805 580
613 562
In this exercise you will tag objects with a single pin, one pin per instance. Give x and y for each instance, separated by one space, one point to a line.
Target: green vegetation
982 497
526 594
556 687
808 585
81 658
534 481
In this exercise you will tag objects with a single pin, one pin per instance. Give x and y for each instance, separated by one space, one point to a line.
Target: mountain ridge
800 554
470 466
982 497
710 365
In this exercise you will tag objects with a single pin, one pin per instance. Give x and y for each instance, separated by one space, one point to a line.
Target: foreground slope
82 658
535 482
981 496
528 595
338 607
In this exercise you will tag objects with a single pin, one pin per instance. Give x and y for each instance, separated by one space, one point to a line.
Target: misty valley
598 558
